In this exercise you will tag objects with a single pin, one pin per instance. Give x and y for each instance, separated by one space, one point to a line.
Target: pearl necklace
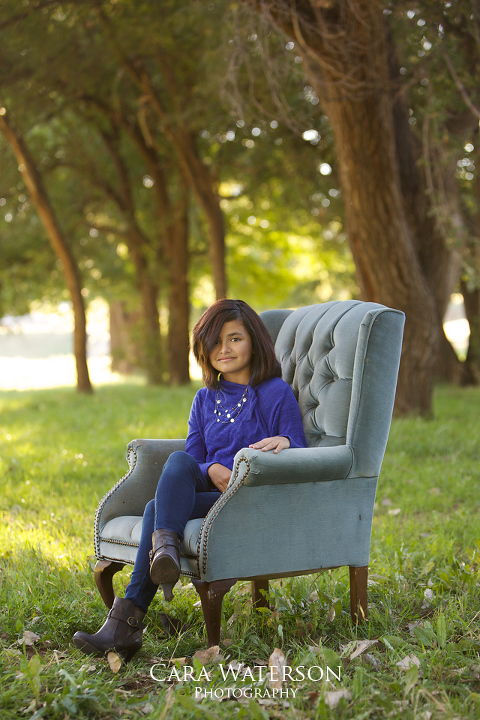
229 416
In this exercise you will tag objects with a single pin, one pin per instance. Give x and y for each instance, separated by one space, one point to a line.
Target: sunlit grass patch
416 657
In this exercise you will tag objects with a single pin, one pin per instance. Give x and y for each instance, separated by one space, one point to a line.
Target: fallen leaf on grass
407 662
372 661
115 662
29 638
276 663
210 655
266 701
88 668
11 652
180 661
147 709
312 697
362 645
411 626
395 511
58 655
333 697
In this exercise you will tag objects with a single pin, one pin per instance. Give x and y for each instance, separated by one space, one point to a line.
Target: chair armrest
129 495
295 465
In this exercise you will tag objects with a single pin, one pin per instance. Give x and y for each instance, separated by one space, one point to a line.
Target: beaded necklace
229 416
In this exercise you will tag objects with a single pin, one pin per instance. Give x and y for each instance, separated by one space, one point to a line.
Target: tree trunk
202 184
124 345
140 250
173 242
35 186
153 355
179 312
178 303
471 295
471 299
432 219
348 59
448 367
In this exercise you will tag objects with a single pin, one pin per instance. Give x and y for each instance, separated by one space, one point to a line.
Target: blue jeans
183 494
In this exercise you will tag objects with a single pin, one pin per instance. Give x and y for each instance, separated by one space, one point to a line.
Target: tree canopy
197 147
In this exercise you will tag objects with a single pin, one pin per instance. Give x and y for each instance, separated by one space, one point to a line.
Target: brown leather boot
121 632
165 560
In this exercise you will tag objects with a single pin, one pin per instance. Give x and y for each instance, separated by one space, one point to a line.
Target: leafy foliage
66 83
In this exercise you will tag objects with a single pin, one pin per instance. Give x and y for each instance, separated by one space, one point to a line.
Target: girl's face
232 353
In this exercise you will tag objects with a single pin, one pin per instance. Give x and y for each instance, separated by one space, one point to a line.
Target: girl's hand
219 475
277 443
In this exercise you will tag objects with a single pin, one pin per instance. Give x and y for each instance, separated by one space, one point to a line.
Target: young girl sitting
244 403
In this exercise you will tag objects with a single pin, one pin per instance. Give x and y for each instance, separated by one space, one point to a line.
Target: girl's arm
195 442
219 475
195 446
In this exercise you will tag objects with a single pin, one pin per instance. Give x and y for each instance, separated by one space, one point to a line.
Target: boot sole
164 571
89 649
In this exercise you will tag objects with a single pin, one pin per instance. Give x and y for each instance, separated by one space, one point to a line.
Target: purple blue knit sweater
270 409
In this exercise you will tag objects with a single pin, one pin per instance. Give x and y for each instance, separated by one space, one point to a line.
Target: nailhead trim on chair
211 516
216 509
136 545
119 542
96 538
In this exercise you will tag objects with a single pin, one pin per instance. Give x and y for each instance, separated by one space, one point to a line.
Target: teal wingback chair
299 512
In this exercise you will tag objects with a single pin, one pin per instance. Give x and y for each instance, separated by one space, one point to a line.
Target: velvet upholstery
303 510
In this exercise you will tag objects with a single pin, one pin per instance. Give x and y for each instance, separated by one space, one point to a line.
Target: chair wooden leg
259 593
358 593
211 596
104 572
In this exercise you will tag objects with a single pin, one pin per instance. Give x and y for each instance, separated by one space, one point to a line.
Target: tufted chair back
326 353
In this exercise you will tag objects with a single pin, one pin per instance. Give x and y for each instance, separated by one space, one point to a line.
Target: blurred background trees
307 152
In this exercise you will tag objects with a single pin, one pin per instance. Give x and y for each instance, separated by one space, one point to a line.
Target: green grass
60 452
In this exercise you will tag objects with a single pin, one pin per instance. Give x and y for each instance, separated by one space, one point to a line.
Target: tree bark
173 231
472 310
124 349
202 184
152 350
34 183
139 247
471 290
178 298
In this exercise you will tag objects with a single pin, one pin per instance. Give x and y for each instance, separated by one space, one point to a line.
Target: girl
244 403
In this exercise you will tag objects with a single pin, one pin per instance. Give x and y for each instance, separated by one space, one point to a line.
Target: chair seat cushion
126 530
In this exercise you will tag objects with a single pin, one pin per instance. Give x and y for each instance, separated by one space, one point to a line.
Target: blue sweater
270 409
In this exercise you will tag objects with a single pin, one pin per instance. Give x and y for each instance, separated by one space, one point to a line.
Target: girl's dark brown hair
207 331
